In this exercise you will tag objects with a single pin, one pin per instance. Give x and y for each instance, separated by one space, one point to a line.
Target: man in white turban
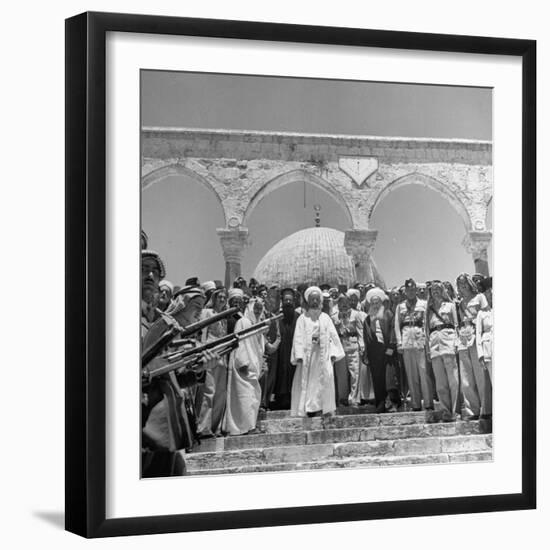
315 348
354 297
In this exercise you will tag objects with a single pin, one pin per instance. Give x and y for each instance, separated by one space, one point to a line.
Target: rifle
190 358
174 329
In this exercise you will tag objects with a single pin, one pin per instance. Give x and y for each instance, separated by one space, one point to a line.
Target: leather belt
441 327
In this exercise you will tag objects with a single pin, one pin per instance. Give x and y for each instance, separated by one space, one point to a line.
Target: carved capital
360 243
476 243
233 242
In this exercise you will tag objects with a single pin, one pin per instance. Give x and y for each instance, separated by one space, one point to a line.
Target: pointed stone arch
158 174
451 195
296 176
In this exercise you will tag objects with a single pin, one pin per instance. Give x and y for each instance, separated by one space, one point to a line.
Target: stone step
327 434
354 462
360 409
315 452
294 423
340 411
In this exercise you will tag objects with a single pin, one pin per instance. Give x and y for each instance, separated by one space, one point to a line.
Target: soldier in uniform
410 336
166 428
484 342
349 326
473 376
441 325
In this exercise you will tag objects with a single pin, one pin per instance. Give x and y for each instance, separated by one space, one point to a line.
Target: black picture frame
86 276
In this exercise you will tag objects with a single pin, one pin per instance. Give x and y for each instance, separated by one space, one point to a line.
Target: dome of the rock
312 256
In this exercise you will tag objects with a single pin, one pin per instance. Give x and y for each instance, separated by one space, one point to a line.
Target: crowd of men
214 357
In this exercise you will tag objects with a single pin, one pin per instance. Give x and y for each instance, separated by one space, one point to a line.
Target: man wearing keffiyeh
243 375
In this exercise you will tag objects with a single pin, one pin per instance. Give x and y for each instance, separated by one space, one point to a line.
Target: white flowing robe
243 387
315 342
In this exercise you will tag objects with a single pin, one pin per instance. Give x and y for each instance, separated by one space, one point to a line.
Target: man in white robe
315 348
243 383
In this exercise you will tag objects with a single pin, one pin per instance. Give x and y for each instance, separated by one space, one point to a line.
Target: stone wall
165 143
242 167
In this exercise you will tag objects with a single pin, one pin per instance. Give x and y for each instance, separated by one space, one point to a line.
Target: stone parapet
321 148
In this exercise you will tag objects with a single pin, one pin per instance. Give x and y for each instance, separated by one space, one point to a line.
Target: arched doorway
420 235
293 178
180 215
285 210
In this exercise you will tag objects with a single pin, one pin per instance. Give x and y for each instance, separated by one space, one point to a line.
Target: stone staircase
352 438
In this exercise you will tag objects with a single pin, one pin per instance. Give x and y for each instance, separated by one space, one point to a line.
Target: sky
420 234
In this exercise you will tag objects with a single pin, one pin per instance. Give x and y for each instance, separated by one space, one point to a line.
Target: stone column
476 243
359 244
233 243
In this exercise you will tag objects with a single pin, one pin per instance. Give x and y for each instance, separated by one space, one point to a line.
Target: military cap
192 281
409 283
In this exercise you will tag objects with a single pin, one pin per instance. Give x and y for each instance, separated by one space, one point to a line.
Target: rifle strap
436 313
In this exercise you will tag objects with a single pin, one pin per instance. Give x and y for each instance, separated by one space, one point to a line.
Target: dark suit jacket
386 325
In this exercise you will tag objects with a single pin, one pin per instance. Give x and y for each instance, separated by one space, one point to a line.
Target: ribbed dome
312 256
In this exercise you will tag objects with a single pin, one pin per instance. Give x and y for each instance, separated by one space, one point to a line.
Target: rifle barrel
167 339
195 327
221 346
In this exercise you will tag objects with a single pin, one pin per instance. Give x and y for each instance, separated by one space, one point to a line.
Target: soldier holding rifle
166 427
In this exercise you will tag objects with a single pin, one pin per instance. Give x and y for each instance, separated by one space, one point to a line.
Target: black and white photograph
262 240
316 274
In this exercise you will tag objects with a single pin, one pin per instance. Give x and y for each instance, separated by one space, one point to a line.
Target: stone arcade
242 167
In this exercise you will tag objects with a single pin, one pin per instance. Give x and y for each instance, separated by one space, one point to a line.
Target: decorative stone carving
358 168
476 243
233 243
359 244
243 167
